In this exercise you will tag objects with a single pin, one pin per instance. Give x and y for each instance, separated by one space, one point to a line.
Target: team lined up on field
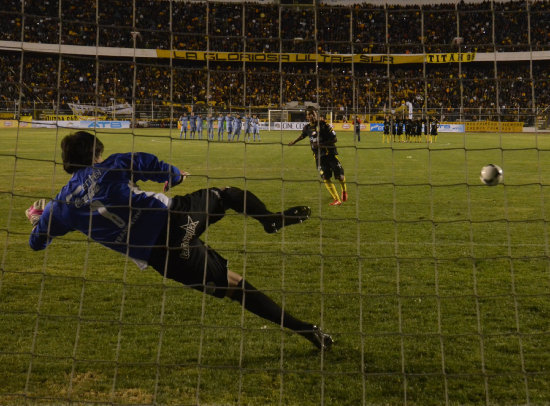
395 129
409 130
232 125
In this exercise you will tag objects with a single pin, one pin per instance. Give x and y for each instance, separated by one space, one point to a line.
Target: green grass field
435 287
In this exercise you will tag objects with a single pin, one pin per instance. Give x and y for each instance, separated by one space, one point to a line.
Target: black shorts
329 165
190 260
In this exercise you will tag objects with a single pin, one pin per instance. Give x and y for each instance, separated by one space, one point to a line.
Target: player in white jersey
255 127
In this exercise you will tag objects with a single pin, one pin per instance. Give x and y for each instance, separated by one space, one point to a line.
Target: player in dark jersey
357 128
322 139
433 123
399 129
102 201
387 125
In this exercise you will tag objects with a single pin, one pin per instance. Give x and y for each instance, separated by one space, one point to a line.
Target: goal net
434 286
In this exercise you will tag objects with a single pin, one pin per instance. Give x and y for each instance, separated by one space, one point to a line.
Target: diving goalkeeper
102 201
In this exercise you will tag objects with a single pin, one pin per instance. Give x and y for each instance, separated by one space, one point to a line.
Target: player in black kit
322 139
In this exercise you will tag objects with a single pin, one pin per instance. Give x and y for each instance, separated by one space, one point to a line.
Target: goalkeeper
102 201
322 139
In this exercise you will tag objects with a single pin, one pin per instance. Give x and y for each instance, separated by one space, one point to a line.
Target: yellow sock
331 189
343 184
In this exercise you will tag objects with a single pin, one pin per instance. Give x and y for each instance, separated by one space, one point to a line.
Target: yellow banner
13 124
494 126
71 117
451 58
349 127
60 117
321 58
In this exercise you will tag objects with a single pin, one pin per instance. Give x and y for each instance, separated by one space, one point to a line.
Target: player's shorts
190 260
329 165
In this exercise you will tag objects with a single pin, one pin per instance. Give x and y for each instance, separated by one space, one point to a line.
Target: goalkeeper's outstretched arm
44 230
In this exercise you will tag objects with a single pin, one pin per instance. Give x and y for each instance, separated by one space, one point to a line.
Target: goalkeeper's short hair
79 150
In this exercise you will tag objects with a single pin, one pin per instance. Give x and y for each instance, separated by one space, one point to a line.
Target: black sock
245 202
261 305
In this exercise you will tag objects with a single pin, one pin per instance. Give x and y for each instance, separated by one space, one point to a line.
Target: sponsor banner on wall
378 127
494 126
343 126
105 124
442 127
293 126
450 128
55 124
348 127
287 126
80 124
14 124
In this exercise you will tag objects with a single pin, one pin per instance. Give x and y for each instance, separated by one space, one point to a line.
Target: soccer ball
491 175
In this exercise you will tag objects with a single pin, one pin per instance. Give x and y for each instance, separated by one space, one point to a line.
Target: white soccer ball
491 175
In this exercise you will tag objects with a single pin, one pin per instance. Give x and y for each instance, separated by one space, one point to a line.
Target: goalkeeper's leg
246 202
202 268
263 306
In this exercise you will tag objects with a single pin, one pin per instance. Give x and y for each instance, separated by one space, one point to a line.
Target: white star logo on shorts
191 225
189 228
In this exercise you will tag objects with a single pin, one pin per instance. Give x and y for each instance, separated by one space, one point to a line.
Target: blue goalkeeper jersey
104 203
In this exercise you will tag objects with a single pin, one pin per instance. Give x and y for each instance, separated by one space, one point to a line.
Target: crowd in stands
442 87
517 25
361 28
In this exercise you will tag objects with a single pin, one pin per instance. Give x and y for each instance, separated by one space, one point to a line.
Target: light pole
114 96
230 94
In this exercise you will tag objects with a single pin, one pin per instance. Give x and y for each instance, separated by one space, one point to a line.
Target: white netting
434 286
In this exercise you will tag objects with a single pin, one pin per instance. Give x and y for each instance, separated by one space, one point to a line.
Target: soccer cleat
336 202
319 338
344 196
294 215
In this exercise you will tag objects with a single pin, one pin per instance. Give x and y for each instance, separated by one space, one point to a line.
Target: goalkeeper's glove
168 186
34 212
